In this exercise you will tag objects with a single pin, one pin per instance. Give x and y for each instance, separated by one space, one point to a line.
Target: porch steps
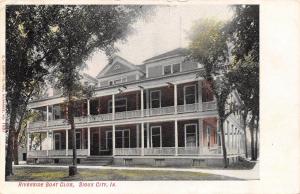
97 161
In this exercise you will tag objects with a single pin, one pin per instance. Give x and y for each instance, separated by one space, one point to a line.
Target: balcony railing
187 108
128 114
206 106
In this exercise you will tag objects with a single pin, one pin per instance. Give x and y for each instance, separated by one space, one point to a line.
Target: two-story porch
167 121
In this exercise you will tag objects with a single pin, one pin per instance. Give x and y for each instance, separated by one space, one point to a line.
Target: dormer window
169 69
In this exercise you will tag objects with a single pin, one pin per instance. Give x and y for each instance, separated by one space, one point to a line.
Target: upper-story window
169 69
190 94
155 97
120 105
117 81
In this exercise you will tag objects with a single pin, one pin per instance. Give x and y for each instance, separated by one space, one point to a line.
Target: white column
232 134
48 143
114 138
148 134
227 137
142 103
67 141
113 107
88 110
89 141
142 146
201 140
176 137
47 116
175 98
200 95
137 135
147 101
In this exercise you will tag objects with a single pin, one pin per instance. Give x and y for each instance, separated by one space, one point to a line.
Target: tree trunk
251 126
16 150
225 161
245 133
73 168
256 144
10 141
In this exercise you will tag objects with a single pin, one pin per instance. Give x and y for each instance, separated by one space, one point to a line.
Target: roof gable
117 66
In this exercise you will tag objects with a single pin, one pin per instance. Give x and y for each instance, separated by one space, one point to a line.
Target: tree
243 32
28 44
209 47
80 31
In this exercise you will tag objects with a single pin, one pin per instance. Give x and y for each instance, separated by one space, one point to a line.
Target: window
190 94
117 81
169 69
176 68
122 138
108 140
120 105
156 140
155 97
78 140
208 135
57 141
190 131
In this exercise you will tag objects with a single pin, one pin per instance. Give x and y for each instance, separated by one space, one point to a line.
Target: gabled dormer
168 63
119 71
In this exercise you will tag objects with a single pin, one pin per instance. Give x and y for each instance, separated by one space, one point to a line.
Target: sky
164 30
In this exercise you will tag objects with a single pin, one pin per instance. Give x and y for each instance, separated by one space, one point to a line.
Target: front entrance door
95 143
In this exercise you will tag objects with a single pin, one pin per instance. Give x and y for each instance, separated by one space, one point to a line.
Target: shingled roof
175 52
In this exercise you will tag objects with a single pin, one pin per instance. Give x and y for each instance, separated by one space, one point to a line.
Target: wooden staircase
97 161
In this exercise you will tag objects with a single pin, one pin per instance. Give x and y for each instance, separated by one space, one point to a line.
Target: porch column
200 95
113 107
148 134
67 142
227 137
88 110
147 101
176 137
201 140
114 139
47 143
137 135
232 131
175 98
142 146
47 119
142 102
89 140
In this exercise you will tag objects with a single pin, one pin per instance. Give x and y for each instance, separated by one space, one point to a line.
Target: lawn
61 174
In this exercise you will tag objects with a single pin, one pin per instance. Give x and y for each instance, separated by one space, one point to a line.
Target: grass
61 174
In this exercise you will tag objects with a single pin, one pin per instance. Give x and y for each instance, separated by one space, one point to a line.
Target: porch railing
57 122
101 117
128 114
188 108
206 106
51 153
209 106
159 111
128 151
159 151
